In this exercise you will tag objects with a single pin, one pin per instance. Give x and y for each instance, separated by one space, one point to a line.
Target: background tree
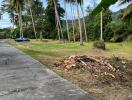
15 6
93 25
51 16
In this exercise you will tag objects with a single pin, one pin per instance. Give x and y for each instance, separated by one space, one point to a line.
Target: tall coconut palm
58 19
73 21
78 2
84 24
7 8
79 21
72 13
67 26
30 9
16 5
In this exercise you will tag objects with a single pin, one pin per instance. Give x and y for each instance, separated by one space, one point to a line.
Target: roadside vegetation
56 39
119 55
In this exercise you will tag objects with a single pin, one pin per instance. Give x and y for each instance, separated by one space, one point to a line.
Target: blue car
22 39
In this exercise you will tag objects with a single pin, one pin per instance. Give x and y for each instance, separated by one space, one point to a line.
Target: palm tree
84 24
67 26
30 9
73 21
77 2
16 5
58 20
7 8
79 21
57 26
20 22
72 11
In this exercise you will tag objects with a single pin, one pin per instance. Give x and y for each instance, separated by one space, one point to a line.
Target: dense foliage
43 22
115 29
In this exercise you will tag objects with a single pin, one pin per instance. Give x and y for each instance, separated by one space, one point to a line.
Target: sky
5 21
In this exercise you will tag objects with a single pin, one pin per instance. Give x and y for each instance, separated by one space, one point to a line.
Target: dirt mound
102 69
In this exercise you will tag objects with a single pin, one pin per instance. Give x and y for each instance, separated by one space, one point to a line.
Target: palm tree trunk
73 25
41 36
101 26
57 26
33 24
84 21
14 24
20 23
58 31
32 20
79 22
67 26
20 26
74 16
58 19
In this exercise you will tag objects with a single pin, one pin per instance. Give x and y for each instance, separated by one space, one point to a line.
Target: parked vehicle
22 39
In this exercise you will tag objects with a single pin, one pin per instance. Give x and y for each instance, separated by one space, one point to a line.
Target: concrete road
23 78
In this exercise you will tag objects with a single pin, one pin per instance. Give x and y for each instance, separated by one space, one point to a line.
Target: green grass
48 51
55 49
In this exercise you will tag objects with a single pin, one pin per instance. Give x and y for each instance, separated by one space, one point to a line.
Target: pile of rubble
101 68
96 66
106 71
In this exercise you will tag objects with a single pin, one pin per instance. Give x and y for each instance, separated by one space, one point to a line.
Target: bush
99 45
129 39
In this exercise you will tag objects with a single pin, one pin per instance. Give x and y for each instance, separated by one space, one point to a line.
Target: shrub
99 45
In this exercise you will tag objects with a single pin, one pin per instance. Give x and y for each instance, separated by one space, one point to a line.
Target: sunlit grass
55 49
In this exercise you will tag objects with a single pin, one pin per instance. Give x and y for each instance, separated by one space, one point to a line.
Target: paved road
23 78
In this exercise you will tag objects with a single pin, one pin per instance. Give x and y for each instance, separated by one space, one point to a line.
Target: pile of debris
101 68
98 67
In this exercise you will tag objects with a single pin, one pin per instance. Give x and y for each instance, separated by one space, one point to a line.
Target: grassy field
49 51
55 50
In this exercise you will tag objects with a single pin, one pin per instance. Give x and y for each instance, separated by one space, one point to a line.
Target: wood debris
96 66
